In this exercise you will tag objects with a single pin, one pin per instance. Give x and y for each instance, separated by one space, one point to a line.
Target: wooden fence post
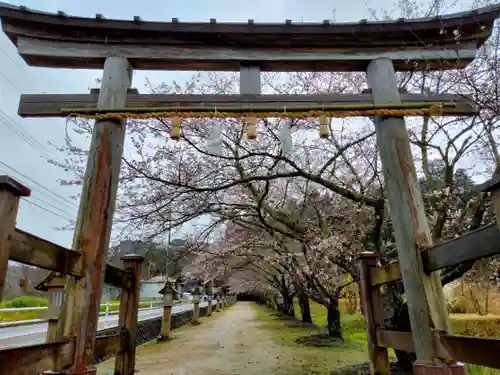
95 216
129 310
10 193
168 302
424 293
372 308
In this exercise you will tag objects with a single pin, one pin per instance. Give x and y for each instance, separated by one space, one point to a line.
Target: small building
151 287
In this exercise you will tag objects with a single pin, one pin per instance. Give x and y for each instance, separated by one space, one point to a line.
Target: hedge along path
228 343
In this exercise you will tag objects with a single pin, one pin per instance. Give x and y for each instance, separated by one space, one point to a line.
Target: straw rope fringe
431 111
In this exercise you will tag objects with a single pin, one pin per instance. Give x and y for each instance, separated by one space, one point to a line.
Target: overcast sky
24 150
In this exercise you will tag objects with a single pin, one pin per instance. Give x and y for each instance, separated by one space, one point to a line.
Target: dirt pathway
228 344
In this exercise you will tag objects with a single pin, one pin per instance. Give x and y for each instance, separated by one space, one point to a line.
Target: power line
21 132
39 184
17 128
47 210
50 204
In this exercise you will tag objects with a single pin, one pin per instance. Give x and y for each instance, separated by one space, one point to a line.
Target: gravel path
228 344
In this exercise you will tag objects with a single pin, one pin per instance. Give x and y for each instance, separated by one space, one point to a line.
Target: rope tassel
324 132
251 127
175 132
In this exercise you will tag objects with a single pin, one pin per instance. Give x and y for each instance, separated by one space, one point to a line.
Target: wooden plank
372 307
107 345
117 277
37 52
127 321
399 31
95 216
490 185
481 243
475 245
396 340
49 105
475 350
29 249
10 193
384 275
411 230
34 359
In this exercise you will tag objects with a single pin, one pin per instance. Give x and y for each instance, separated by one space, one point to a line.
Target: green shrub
476 325
25 301
458 305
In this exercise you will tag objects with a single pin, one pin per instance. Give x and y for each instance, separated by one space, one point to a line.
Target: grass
309 359
19 302
462 324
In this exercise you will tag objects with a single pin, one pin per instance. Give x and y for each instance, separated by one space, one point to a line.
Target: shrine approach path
228 343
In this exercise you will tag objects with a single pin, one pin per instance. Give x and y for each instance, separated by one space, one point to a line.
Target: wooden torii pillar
424 293
93 227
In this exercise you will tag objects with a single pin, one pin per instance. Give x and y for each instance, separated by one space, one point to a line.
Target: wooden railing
482 243
58 352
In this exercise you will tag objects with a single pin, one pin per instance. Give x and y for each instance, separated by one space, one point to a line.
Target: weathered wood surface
476 350
93 229
32 250
28 249
372 307
478 244
127 321
50 53
389 33
411 230
10 193
50 105
33 359
107 345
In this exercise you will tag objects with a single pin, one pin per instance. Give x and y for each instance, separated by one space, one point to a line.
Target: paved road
35 333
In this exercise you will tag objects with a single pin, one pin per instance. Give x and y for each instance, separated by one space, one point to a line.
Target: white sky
16 78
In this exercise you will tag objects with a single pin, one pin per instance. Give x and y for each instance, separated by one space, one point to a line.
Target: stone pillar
209 307
217 302
196 307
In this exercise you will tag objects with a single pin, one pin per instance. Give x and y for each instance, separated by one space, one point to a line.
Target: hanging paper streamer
324 132
214 143
251 127
175 132
286 138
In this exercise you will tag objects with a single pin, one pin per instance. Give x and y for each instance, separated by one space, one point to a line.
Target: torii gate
119 46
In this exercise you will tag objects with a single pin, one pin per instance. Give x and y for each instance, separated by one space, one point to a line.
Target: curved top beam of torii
59 40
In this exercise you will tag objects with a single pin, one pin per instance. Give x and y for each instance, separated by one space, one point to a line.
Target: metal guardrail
106 312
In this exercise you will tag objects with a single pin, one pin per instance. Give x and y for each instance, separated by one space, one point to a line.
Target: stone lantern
196 304
209 292
169 293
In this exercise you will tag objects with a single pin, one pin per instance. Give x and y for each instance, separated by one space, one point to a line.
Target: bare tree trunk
333 318
305 308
